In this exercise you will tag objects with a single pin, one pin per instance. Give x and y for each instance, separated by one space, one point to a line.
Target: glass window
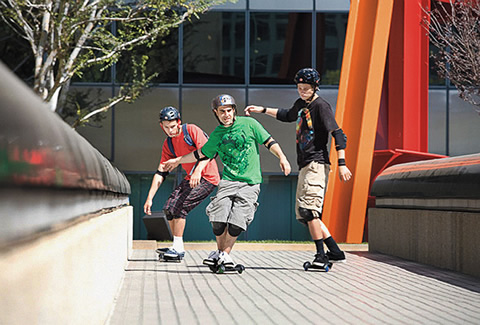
280 45
282 132
281 5
97 131
464 120
95 73
163 60
329 5
16 53
434 78
137 130
331 31
214 49
437 121
239 4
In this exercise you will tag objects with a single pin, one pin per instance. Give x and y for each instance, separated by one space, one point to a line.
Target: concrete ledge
70 276
445 239
151 244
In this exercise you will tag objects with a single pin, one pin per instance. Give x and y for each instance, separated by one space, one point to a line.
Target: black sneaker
336 257
320 261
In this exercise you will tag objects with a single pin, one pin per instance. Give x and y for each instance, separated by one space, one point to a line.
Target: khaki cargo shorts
312 181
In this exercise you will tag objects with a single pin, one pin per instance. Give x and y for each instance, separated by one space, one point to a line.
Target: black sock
332 245
319 245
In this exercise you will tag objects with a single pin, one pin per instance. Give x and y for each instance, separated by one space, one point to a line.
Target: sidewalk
274 289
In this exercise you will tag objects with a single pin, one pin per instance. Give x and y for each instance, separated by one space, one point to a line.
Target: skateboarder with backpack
201 179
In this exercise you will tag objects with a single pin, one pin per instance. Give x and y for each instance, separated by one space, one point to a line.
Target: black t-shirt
311 142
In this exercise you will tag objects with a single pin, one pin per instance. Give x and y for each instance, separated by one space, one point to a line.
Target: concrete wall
69 276
446 239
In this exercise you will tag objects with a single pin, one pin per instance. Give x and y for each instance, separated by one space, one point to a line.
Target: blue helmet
169 113
308 76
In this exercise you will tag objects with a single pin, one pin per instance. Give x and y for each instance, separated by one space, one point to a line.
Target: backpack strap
186 136
170 146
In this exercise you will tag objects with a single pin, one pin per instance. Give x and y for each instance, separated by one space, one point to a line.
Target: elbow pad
197 156
163 174
270 144
340 139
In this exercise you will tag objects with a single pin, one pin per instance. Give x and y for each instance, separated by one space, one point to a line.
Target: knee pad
234 231
218 228
306 214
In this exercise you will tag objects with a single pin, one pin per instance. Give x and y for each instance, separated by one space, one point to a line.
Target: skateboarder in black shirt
315 122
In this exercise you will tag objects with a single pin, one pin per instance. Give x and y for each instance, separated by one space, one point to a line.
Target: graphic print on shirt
235 148
305 135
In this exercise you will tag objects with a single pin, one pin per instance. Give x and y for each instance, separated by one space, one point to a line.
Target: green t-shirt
237 147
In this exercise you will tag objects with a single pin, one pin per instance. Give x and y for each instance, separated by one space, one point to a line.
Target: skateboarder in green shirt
235 141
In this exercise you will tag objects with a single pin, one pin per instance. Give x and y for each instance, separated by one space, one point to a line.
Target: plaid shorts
184 198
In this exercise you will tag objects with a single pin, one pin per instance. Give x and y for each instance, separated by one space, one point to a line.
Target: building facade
251 50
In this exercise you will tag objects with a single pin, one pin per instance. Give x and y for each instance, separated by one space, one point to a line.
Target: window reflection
434 77
163 60
280 45
214 49
331 31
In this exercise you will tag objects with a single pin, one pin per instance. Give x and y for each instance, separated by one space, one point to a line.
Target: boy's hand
285 166
344 173
171 164
147 207
195 179
253 109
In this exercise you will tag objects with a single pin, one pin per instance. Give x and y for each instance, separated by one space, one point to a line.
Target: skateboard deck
221 269
308 265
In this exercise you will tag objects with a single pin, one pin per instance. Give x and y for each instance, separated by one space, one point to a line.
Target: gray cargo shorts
234 203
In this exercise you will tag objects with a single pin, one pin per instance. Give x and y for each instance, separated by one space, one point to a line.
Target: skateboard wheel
306 266
240 268
327 268
221 269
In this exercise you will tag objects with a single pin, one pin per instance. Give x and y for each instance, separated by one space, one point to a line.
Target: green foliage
70 38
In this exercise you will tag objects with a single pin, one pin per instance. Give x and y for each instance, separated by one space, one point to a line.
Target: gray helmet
222 100
308 76
169 113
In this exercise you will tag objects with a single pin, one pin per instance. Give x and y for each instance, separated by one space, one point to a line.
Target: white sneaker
225 259
172 253
212 258
163 250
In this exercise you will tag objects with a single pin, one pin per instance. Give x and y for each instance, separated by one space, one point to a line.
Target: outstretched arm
171 164
260 109
156 183
274 148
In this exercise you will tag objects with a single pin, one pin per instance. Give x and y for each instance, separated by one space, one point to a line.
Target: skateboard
220 269
309 265
162 258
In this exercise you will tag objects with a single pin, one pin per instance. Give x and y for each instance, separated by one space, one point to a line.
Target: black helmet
222 100
169 113
308 76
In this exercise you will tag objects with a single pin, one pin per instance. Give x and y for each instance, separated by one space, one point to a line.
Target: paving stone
274 289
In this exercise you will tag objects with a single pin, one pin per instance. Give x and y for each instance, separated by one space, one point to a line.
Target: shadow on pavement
457 279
